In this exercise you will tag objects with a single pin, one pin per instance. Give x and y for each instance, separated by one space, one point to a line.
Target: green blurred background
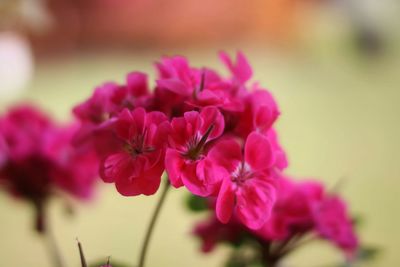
339 96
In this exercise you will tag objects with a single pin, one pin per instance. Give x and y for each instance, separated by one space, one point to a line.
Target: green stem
53 248
150 228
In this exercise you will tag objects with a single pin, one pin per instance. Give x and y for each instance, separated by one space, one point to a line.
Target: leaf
196 203
367 253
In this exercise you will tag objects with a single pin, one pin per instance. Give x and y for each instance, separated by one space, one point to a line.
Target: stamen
241 173
203 140
136 145
195 146
202 84
202 80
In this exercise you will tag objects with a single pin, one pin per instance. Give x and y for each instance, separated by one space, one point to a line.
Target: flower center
242 173
136 146
195 145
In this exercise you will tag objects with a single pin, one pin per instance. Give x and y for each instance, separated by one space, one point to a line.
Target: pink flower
332 222
136 168
240 70
248 189
259 114
185 159
23 131
293 210
281 161
176 75
25 169
75 168
212 231
180 86
108 100
38 160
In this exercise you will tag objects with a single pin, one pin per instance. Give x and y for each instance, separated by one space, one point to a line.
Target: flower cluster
37 159
303 211
211 134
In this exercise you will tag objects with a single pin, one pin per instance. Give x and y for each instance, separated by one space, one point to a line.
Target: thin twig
81 254
52 246
150 228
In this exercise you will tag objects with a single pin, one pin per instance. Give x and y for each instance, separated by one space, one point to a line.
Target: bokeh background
333 65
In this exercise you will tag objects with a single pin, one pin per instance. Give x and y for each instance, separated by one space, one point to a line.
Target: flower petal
212 118
255 200
258 151
174 165
225 201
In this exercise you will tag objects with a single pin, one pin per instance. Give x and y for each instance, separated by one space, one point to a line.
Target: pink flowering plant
211 135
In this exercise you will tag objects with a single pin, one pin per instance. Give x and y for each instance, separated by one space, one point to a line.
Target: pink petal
178 136
264 118
192 182
255 201
147 183
137 83
241 70
139 121
193 122
225 201
123 124
227 154
116 166
212 117
211 174
174 165
175 86
258 151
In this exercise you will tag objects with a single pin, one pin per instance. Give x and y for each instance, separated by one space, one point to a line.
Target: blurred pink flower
39 161
332 222
293 211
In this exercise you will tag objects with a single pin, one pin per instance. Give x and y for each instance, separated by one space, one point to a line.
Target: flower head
137 166
332 222
186 156
292 213
247 189
38 159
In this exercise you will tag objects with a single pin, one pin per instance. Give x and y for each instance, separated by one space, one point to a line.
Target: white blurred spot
16 64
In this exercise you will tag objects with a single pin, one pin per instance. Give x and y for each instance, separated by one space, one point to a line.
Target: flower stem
53 249
150 228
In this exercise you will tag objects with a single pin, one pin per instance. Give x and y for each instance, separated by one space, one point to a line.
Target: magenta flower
248 189
211 232
136 168
241 70
110 98
185 159
38 160
76 168
181 88
176 75
292 213
259 114
304 207
332 222
107 101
